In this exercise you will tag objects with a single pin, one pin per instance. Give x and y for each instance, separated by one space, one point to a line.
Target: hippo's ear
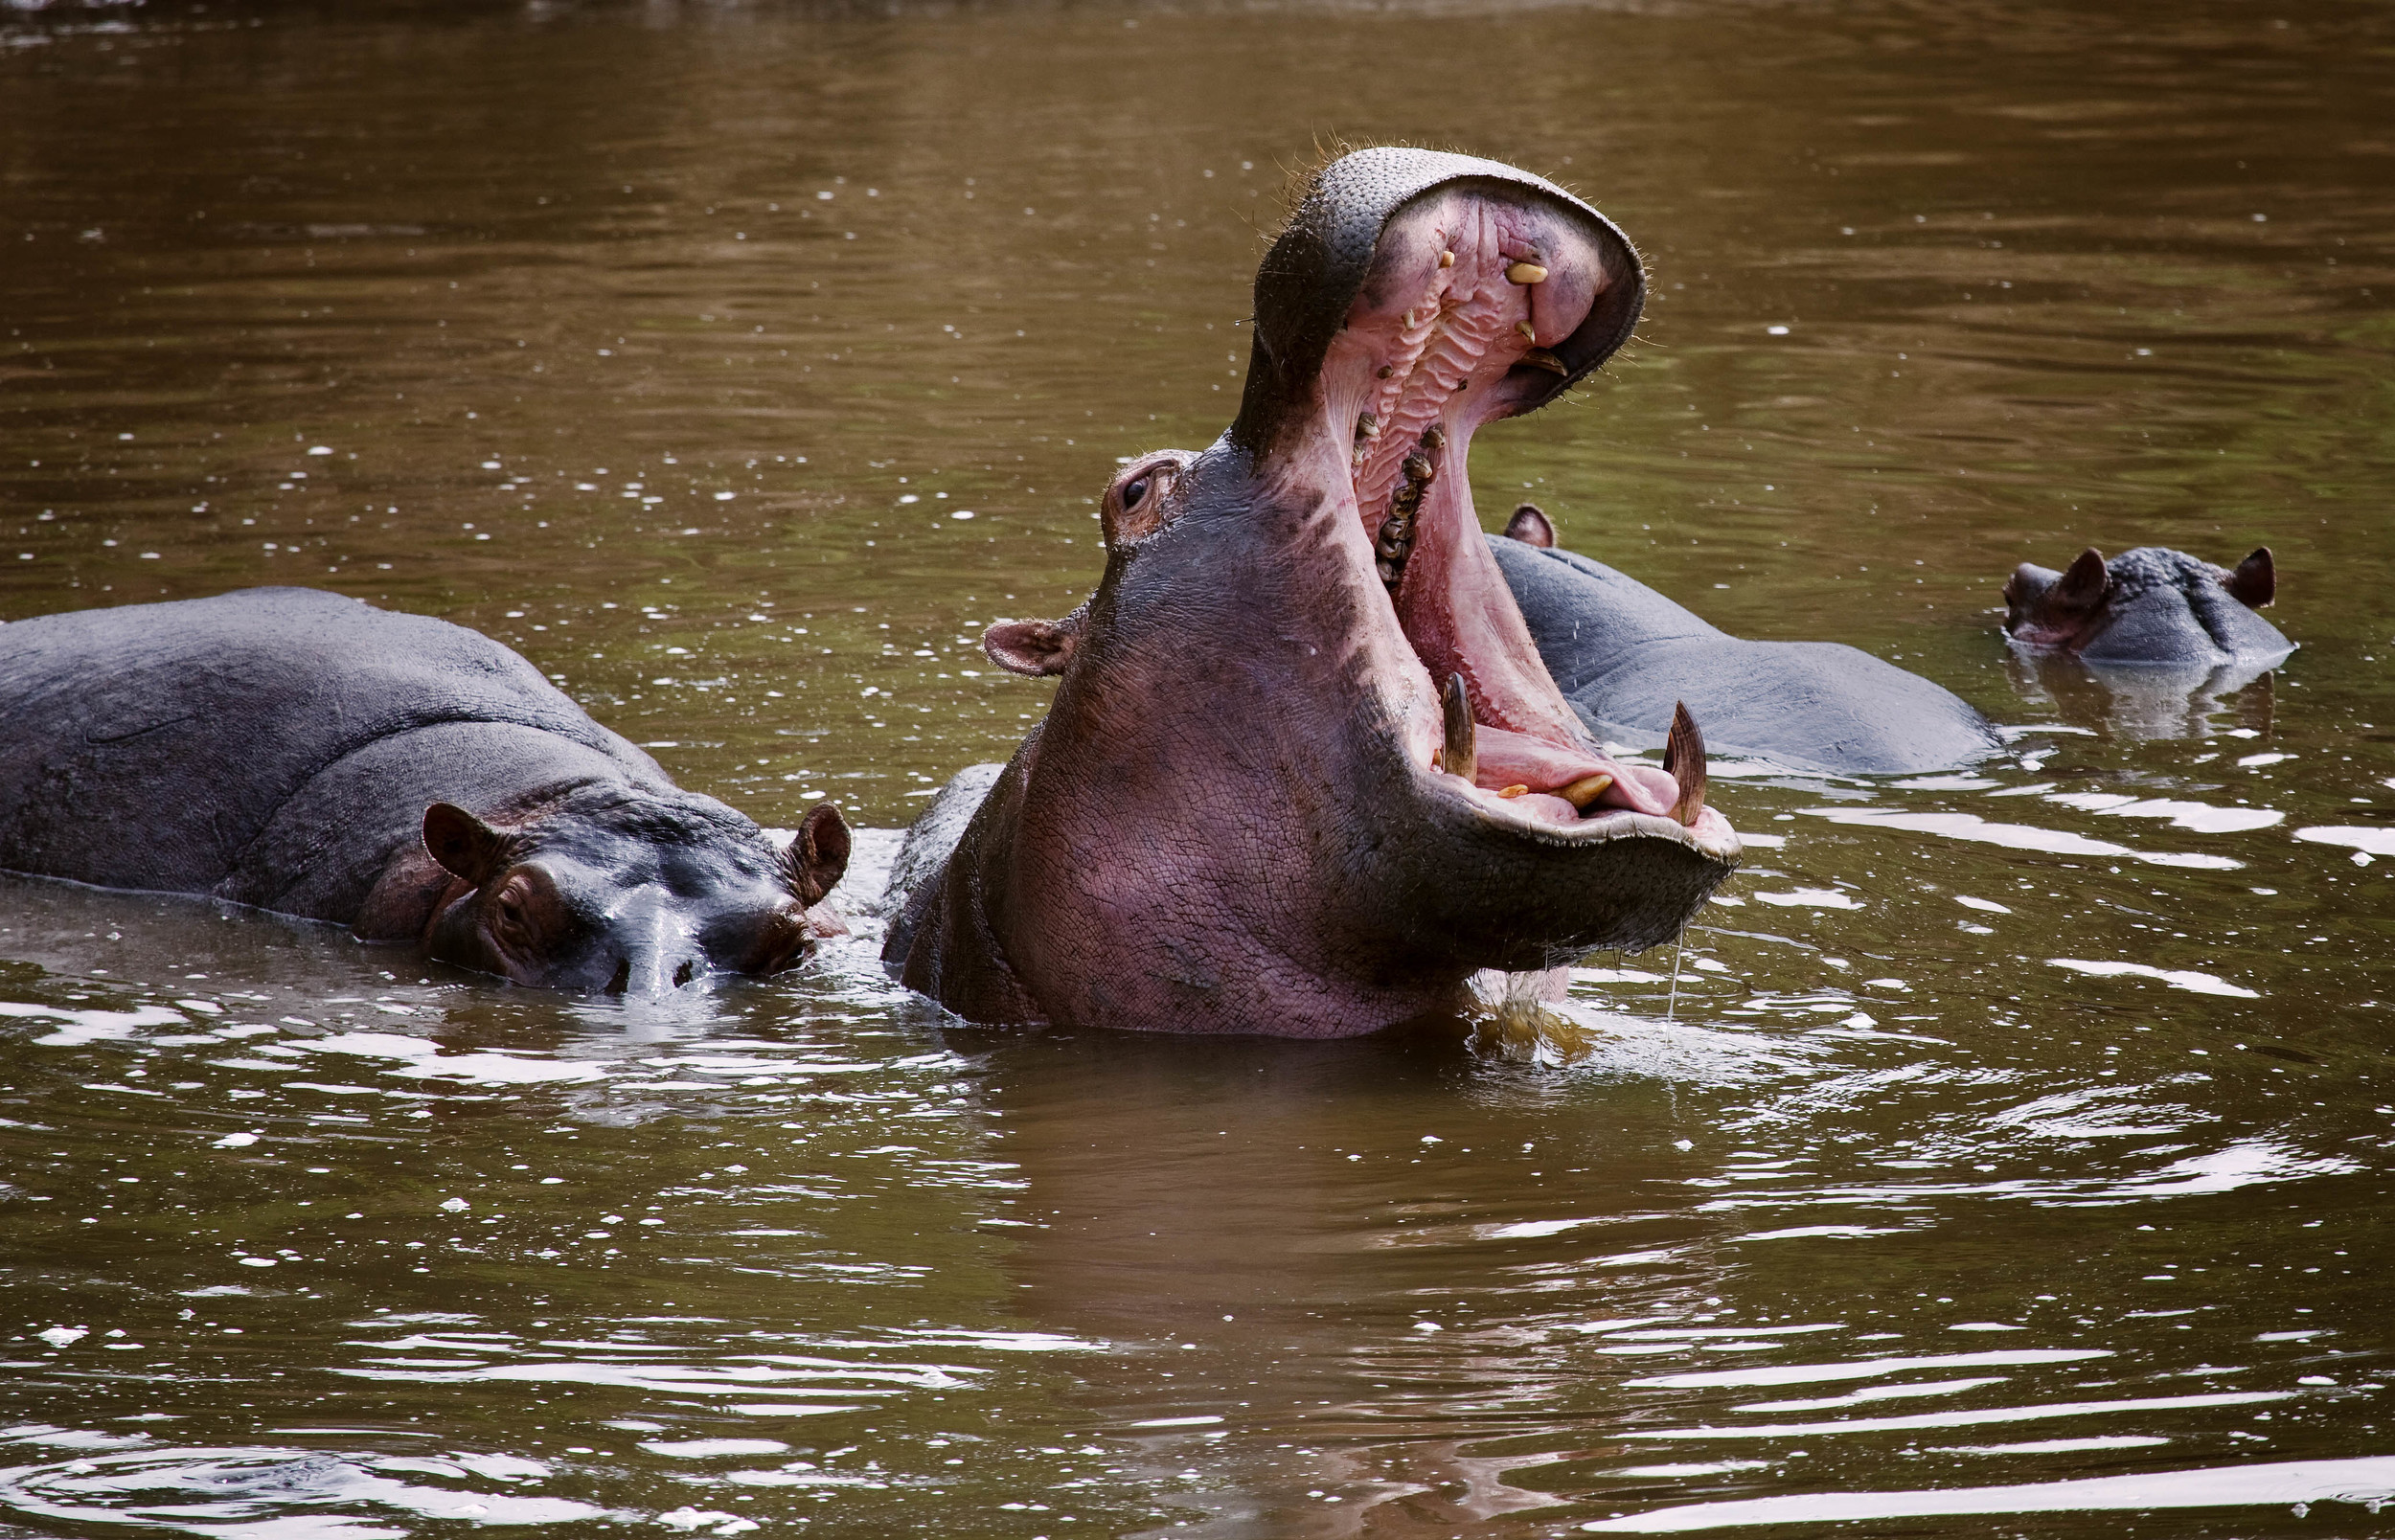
1034 647
2081 589
818 858
1529 525
2255 582
465 847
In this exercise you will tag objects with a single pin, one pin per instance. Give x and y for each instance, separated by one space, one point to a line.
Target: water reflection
2143 701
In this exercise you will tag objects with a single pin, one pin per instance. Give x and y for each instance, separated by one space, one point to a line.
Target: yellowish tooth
1511 792
1446 259
1525 274
1586 790
1459 751
1541 359
1524 327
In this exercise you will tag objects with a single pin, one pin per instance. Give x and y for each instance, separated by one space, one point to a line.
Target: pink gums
1421 365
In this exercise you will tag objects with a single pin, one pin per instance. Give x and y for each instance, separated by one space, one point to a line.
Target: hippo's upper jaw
1305 772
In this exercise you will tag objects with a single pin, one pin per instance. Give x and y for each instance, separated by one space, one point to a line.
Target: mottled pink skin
1231 820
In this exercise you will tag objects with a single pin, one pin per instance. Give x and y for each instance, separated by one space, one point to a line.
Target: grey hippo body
305 753
1623 656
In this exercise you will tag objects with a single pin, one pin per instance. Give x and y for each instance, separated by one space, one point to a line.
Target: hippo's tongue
1465 289
1517 760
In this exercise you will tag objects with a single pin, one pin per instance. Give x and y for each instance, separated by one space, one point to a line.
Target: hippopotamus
2151 605
1626 656
1303 773
2162 634
308 753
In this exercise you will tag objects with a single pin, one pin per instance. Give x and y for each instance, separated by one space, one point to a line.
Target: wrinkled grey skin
1624 654
2156 606
304 753
2147 644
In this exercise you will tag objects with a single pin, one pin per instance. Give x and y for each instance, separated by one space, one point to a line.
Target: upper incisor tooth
1525 274
1446 259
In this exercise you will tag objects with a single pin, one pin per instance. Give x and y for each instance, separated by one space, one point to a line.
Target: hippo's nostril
621 979
684 974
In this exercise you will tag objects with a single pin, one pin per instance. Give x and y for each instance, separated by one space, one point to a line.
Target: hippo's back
1624 655
153 746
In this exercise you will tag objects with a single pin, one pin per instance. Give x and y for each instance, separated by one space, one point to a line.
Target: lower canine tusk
1525 274
1459 754
1586 790
1541 359
1684 762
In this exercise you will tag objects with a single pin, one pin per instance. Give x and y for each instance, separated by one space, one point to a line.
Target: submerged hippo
2150 605
2144 644
1626 656
1305 772
308 754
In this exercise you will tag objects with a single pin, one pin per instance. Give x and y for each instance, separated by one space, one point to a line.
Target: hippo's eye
1133 493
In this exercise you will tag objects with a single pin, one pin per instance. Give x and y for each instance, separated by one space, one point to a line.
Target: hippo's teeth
1684 762
1525 274
1586 790
1541 359
1386 370
1525 328
1446 259
1459 753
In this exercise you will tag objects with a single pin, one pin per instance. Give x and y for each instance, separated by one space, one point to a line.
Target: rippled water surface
2003 1152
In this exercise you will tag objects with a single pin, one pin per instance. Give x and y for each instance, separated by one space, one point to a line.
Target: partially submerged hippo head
1305 772
604 887
2150 605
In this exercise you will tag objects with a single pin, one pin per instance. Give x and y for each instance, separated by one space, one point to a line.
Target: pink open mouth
1469 291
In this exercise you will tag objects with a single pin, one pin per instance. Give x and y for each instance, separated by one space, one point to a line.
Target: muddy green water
2014 1157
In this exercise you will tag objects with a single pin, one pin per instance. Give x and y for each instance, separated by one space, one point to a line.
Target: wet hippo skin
1624 655
1305 772
2152 605
301 752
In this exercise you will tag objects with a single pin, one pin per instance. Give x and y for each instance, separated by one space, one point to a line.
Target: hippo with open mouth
1305 772
308 753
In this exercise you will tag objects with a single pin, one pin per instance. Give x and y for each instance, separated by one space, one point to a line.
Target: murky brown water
2013 1154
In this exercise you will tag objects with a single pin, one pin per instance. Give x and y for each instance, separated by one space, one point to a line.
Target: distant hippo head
1305 771
2150 605
604 888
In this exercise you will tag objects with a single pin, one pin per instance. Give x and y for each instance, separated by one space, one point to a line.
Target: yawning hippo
1305 773
1626 656
308 753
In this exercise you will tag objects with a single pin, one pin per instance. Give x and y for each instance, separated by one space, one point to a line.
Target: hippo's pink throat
1468 295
